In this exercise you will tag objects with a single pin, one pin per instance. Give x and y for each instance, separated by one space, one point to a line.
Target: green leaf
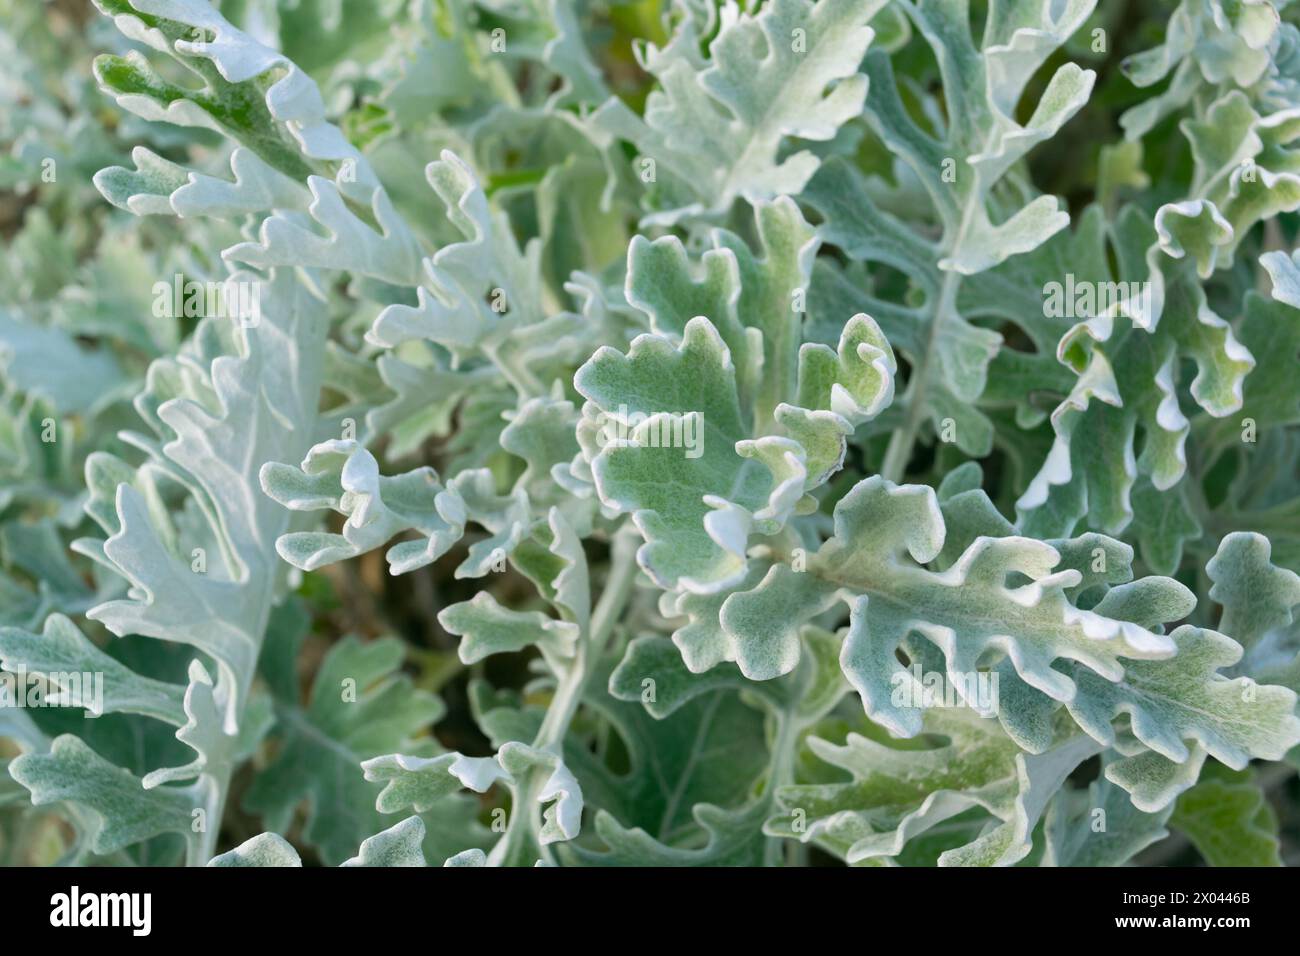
896 796
122 811
71 661
265 849
342 475
1229 821
699 435
399 845
1259 603
1100 827
359 708
715 127
487 628
1127 357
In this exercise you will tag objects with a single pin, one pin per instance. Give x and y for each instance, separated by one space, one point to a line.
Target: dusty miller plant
649 434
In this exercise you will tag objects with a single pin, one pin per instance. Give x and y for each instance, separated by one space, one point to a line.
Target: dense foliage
649 433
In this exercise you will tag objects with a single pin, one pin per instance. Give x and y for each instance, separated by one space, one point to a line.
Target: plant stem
618 588
523 831
901 443
780 773
213 789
